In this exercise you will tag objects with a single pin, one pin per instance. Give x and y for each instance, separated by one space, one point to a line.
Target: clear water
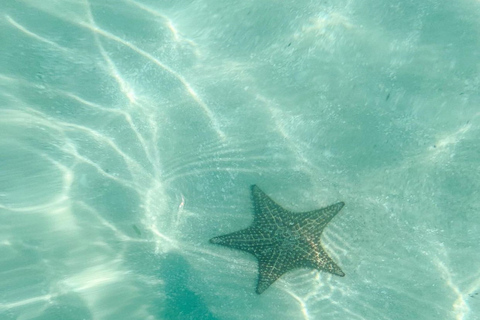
131 131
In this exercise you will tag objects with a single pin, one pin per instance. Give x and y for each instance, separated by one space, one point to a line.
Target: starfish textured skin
283 240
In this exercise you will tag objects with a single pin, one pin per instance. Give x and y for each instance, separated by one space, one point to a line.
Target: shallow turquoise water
131 131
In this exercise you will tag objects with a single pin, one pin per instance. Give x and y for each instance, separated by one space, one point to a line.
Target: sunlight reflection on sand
80 248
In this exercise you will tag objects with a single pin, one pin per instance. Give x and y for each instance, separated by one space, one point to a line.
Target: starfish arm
318 219
271 266
248 240
265 209
321 261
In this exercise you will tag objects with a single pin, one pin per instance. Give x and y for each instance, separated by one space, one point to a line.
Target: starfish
283 240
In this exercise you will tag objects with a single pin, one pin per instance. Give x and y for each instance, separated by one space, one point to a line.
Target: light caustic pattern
120 144
64 150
